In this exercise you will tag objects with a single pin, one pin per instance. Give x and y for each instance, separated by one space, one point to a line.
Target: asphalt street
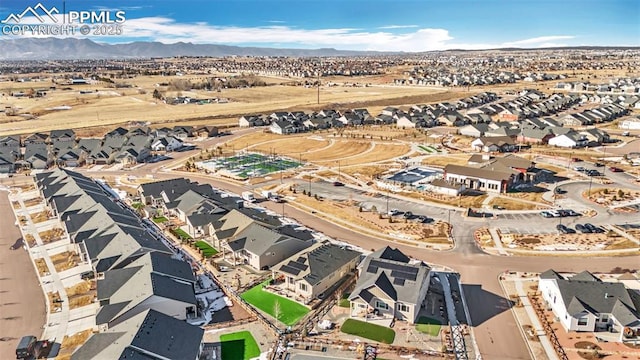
22 303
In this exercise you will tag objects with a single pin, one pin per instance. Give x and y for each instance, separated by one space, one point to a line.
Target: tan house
389 286
309 274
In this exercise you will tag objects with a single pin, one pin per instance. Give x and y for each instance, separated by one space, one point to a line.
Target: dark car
570 231
408 215
575 159
42 349
583 229
573 213
561 228
593 228
337 183
599 164
594 173
615 169
563 213
25 347
561 191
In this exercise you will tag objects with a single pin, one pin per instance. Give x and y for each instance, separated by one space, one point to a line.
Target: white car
225 269
393 212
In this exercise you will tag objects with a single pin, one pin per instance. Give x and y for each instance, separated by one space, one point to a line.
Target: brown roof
479 173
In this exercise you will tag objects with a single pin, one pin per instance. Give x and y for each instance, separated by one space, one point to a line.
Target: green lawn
239 346
207 250
344 301
428 326
160 219
290 311
181 234
368 331
137 205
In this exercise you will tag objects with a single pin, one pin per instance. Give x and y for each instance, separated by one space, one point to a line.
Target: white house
630 124
583 302
568 140
168 143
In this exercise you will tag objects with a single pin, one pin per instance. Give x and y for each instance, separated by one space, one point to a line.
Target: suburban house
104 232
310 273
569 140
389 285
167 143
147 335
630 123
494 144
583 302
254 243
152 281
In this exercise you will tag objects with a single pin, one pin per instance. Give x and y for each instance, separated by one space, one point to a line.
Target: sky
380 25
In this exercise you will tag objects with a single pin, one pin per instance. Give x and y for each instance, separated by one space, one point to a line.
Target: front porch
369 314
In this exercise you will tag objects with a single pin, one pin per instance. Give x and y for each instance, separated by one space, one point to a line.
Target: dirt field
441 161
109 106
292 147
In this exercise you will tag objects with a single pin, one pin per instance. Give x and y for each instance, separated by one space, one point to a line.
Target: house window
403 307
382 305
604 317
583 321
303 287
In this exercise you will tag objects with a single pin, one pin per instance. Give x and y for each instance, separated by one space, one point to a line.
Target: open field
110 106
442 161
340 150
380 152
291 147
579 241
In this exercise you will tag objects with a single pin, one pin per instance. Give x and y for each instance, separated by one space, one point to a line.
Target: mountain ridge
71 48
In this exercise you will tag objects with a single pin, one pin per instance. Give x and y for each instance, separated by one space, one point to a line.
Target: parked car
25 347
573 213
546 214
570 231
394 212
563 213
594 229
337 183
615 169
561 228
583 229
42 349
599 164
407 215
594 173
626 133
554 213
579 168
224 269
560 191
575 159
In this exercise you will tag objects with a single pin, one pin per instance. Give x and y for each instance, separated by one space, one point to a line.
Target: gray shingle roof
148 335
389 270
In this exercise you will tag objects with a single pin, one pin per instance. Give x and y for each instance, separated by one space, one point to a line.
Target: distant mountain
70 48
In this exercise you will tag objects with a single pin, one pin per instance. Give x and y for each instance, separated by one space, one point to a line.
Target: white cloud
413 39
398 26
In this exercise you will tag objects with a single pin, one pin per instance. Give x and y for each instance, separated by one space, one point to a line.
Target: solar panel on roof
298 265
288 269
398 281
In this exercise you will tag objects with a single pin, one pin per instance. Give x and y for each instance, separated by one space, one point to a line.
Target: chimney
606 295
